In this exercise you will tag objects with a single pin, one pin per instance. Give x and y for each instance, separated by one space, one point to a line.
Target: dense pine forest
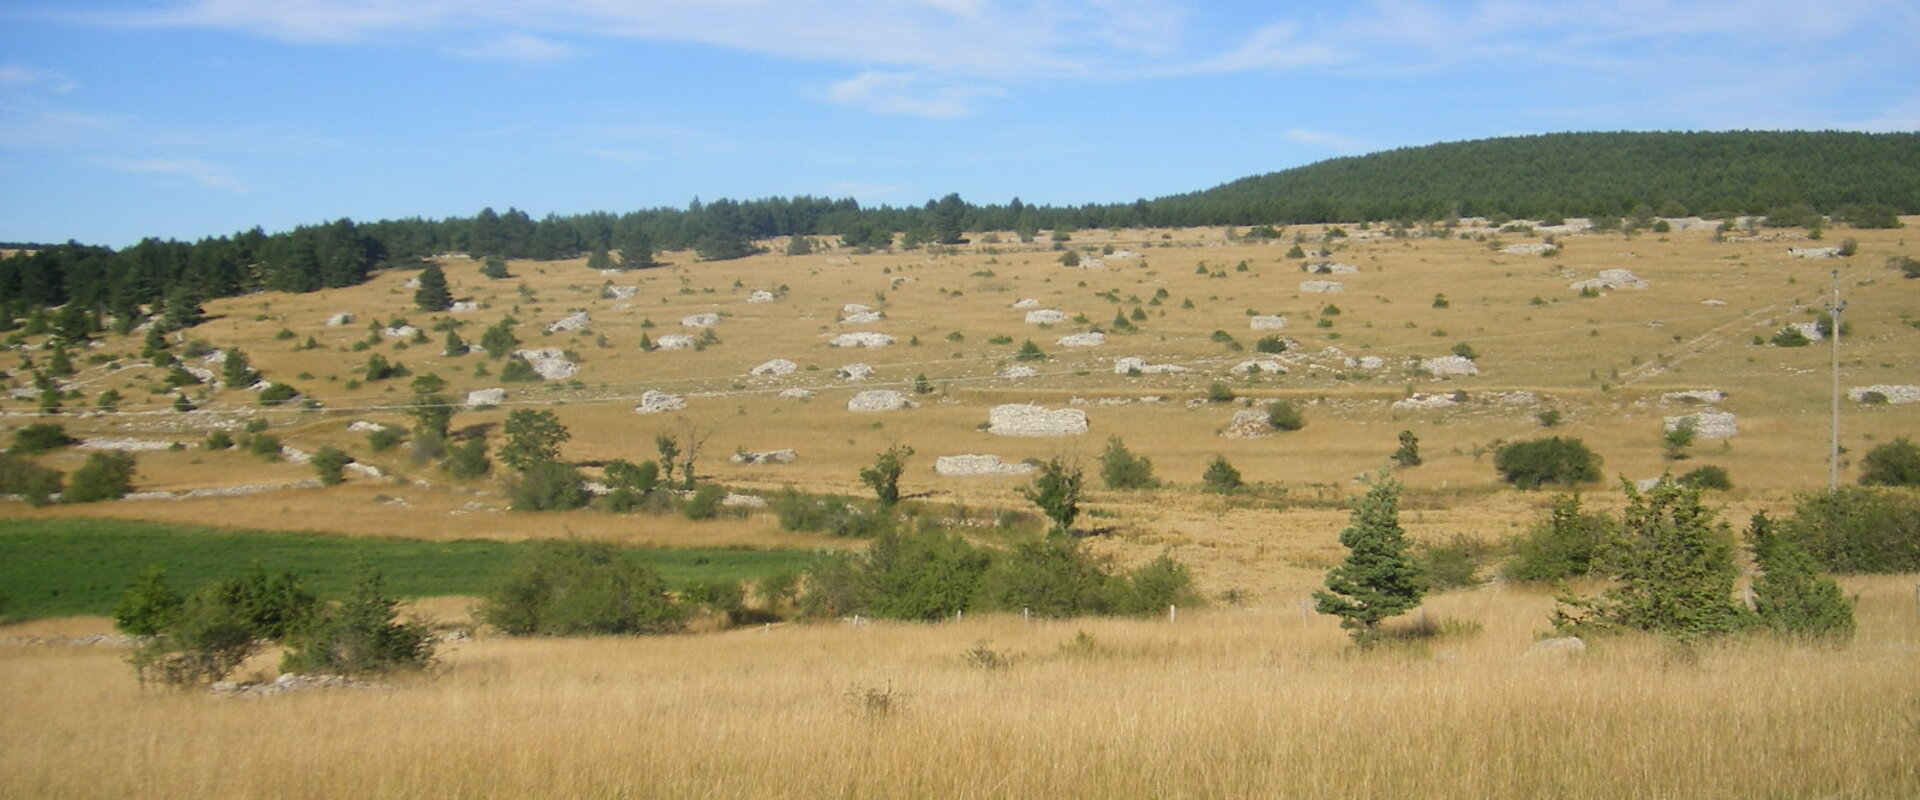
1860 178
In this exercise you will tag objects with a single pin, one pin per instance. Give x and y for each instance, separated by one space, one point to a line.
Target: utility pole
1833 337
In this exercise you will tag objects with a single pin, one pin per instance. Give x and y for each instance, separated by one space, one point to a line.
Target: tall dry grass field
1261 702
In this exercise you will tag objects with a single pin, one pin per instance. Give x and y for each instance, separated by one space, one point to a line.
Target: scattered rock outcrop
1267 322
774 368
1026 302
1017 371
761 296
874 400
1449 367
1330 268
1423 401
1248 423
571 322
869 339
700 320
1088 339
675 341
654 401
1046 316
1128 365
1322 287
1530 249
854 372
400 332
340 319
969 465
1266 366
1694 396
1891 394
1708 424
1814 252
612 292
1021 419
550 362
796 394
486 397
856 314
1610 279
764 457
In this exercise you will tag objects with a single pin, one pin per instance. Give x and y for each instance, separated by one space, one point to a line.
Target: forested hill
1579 174
1862 179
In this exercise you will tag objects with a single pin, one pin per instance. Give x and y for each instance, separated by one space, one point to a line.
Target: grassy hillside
1605 363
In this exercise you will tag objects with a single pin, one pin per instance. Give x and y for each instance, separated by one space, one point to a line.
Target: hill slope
1583 174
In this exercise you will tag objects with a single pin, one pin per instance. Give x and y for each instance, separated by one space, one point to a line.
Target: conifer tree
433 294
1380 578
1790 595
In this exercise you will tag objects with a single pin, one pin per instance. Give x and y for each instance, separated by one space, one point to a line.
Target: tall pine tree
433 294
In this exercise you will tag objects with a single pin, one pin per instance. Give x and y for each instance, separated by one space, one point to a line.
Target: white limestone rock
1088 339
571 322
1322 287
1128 365
654 401
775 368
1267 322
970 465
486 397
1046 316
700 320
868 339
877 400
1450 367
1021 419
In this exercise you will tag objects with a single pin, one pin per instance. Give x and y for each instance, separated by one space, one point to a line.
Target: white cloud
210 175
20 76
517 47
901 93
1330 141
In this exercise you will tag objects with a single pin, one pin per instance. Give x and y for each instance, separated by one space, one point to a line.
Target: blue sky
188 118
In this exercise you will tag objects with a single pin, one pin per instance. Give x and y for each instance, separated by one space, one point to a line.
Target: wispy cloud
210 175
902 93
517 48
1331 141
20 76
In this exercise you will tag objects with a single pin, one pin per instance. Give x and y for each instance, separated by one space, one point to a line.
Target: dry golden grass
1260 702
1602 361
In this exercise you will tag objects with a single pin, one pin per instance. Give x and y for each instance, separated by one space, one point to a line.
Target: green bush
924 576
329 465
1790 337
277 394
1122 470
1790 596
549 486
1672 567
361 636
468 459
218 440
571 588
1565 543
264 446
1056 490
705 502
1858 529
1895 463
148 606
517 370
105 476
1051 577
1707 477
1452 564
34 483
204 642
40 437
828 514
1553 460
643 477
1286 416
385 438
1221 477
1152 587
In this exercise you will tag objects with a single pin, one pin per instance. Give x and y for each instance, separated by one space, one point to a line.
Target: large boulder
656 402
1708 424
854 372
1450 367
550 362
1891 394
675 341
1020 419
875 400
572 322
1248 423
1128 365
486 397
775 368
868 339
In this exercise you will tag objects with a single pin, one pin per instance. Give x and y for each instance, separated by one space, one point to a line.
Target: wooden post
1173 614
1026 615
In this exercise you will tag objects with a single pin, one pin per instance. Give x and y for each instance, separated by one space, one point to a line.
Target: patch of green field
53 568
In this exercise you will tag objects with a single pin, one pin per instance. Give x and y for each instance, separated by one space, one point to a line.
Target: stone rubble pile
1021 419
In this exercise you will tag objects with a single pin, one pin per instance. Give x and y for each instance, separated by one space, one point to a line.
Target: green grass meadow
53 568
